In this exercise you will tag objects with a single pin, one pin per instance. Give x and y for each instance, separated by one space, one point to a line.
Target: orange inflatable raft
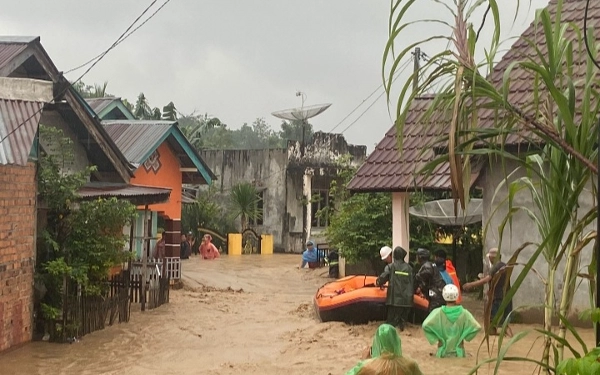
355 300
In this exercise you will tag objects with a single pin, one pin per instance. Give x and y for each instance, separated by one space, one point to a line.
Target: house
381 171
293 184
33 92
160 156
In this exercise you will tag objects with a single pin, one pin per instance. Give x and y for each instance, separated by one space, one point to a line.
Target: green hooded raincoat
450 326
386 340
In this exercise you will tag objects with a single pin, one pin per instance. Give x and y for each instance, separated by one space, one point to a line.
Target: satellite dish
301 113
441 212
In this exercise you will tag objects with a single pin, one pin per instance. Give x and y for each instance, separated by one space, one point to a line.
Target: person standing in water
429 281
399 274
310 256
386 342
450 326
208 249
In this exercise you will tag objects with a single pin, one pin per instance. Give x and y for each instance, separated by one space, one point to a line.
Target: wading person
399 276
386 342
498 283
389 364
208 249
429 281
184 247
447 270
450 326
310 256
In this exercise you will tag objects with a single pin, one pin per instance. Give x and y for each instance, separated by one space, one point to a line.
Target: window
260 208
320 200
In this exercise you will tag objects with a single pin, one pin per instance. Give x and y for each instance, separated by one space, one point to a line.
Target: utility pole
416 66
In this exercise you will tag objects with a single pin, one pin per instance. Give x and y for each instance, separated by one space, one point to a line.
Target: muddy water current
242 315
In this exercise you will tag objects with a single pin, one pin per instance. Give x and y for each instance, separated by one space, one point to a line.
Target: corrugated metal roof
386 169
18 125
9 51
137 194
135 137
98 104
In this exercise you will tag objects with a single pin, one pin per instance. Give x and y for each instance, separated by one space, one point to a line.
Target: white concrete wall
524 230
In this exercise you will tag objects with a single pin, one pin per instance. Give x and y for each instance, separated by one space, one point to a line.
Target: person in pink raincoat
207 249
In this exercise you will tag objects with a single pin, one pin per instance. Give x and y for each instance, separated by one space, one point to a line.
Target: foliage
143 111
205 212
91 91
561 115
244 202
206 132
81 240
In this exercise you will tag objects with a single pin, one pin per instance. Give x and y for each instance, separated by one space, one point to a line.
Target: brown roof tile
386 169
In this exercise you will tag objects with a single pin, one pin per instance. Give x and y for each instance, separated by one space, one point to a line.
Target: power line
128 35
365 99
101 56
376 99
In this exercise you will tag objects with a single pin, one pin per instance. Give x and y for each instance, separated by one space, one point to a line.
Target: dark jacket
429 279
400 288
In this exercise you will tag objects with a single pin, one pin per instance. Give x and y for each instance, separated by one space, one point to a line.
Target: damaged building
293 184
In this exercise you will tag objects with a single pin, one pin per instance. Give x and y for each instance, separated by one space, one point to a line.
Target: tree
91 91
169 112
561 115
142 110
292 131
244 201
81 241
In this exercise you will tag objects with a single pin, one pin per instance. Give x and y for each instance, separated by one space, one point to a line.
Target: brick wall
17 254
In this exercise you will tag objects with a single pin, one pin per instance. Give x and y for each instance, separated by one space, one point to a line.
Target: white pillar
307 191
400 221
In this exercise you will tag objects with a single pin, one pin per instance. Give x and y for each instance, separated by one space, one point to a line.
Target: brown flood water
268 328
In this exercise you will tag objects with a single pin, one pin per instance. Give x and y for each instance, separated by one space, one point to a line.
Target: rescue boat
356 300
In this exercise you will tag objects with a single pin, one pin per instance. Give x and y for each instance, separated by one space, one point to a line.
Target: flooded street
243 315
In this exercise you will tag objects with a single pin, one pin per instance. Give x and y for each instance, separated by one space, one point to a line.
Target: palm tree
142 109
244 199
169 112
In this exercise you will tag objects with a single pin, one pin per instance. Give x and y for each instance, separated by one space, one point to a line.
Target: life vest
452 272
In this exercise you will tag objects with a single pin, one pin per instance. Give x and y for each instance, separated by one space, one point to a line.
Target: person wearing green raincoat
450 326
385 340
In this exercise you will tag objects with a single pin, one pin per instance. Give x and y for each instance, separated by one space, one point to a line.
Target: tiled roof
388 169
522 81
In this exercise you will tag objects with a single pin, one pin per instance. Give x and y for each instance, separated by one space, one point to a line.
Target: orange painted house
160 156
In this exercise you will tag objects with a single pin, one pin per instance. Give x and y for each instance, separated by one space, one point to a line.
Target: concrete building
293 184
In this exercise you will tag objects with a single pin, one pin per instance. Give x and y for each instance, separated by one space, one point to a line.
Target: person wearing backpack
429 281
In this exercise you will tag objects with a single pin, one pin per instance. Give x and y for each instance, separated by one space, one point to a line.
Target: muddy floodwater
242 315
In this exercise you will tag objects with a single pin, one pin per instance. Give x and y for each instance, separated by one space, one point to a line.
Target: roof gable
110 108
25 57
138 139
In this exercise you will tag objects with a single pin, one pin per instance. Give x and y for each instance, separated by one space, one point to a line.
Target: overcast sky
238 59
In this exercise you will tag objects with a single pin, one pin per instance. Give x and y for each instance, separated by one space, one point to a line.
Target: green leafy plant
81 240
244 201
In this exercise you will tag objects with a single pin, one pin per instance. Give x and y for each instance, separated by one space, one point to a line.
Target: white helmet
385 252
450 293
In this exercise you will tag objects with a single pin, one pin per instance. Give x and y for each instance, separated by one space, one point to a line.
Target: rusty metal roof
18 125
135 138
387 169
11 46
98 104
136 194
522 81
